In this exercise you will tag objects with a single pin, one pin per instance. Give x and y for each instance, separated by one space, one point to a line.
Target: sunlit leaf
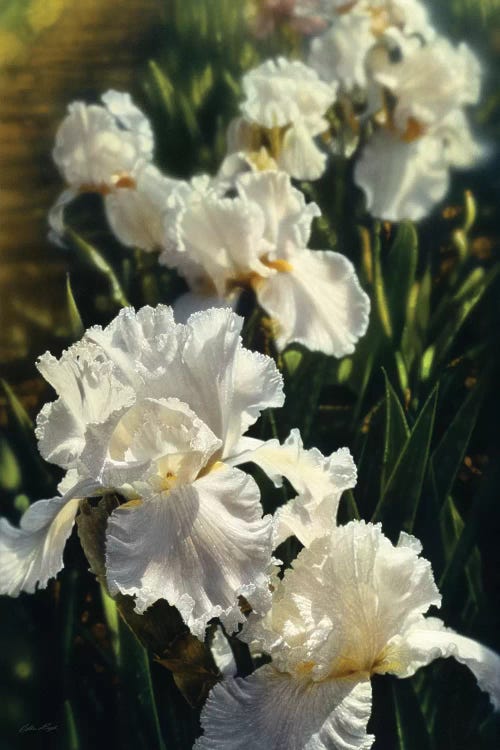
89 256
75 321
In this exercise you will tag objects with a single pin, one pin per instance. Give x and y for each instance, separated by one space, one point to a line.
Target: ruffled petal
91 151
345 606
130 117
460 147
281 92
300 156
202 363
199 547
288 217
33 553
430 640
432 82
152 446
318 480
137 215
319 303
402 180
232 386
139 344
271 710
339 55
89 391
221 238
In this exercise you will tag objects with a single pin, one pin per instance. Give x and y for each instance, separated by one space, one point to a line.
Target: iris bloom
342 54
157 412
352 606
283 112
259 239
404 167
108 150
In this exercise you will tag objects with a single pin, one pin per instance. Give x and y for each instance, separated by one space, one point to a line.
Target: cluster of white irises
157 410
397 80
242 229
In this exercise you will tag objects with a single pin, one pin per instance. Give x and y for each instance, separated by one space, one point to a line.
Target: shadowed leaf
399 502
399 274
447 458
396 432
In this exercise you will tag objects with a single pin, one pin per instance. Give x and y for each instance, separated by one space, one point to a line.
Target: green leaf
452 526
17 414
76 326
397 432
164 87
10 471
370 450
88 255
412 732
381 299
292 359
71 741
399 274
460 308
418 310
480 513
137 690
348 509
448 456
399 502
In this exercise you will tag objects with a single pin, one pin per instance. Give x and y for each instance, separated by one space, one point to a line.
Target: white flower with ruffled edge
341 55
258 239
352 606
157 412
108 150
283 112
404 167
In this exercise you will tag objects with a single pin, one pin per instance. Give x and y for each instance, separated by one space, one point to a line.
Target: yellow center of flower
168 481
120 181
385 117
253 279
351 667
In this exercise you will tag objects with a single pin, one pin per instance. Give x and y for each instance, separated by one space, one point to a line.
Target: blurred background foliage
418 403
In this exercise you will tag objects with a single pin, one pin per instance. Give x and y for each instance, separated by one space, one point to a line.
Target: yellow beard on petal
120 182
252 279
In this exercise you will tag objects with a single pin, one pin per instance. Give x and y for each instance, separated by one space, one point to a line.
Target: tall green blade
447 458
397 432
399 274
399 502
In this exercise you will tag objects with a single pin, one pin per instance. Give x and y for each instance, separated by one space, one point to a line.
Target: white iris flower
404 167
341 55
259 239
352 606
108 150
157 412
283 112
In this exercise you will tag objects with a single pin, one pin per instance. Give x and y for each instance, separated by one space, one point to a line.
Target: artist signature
47 727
